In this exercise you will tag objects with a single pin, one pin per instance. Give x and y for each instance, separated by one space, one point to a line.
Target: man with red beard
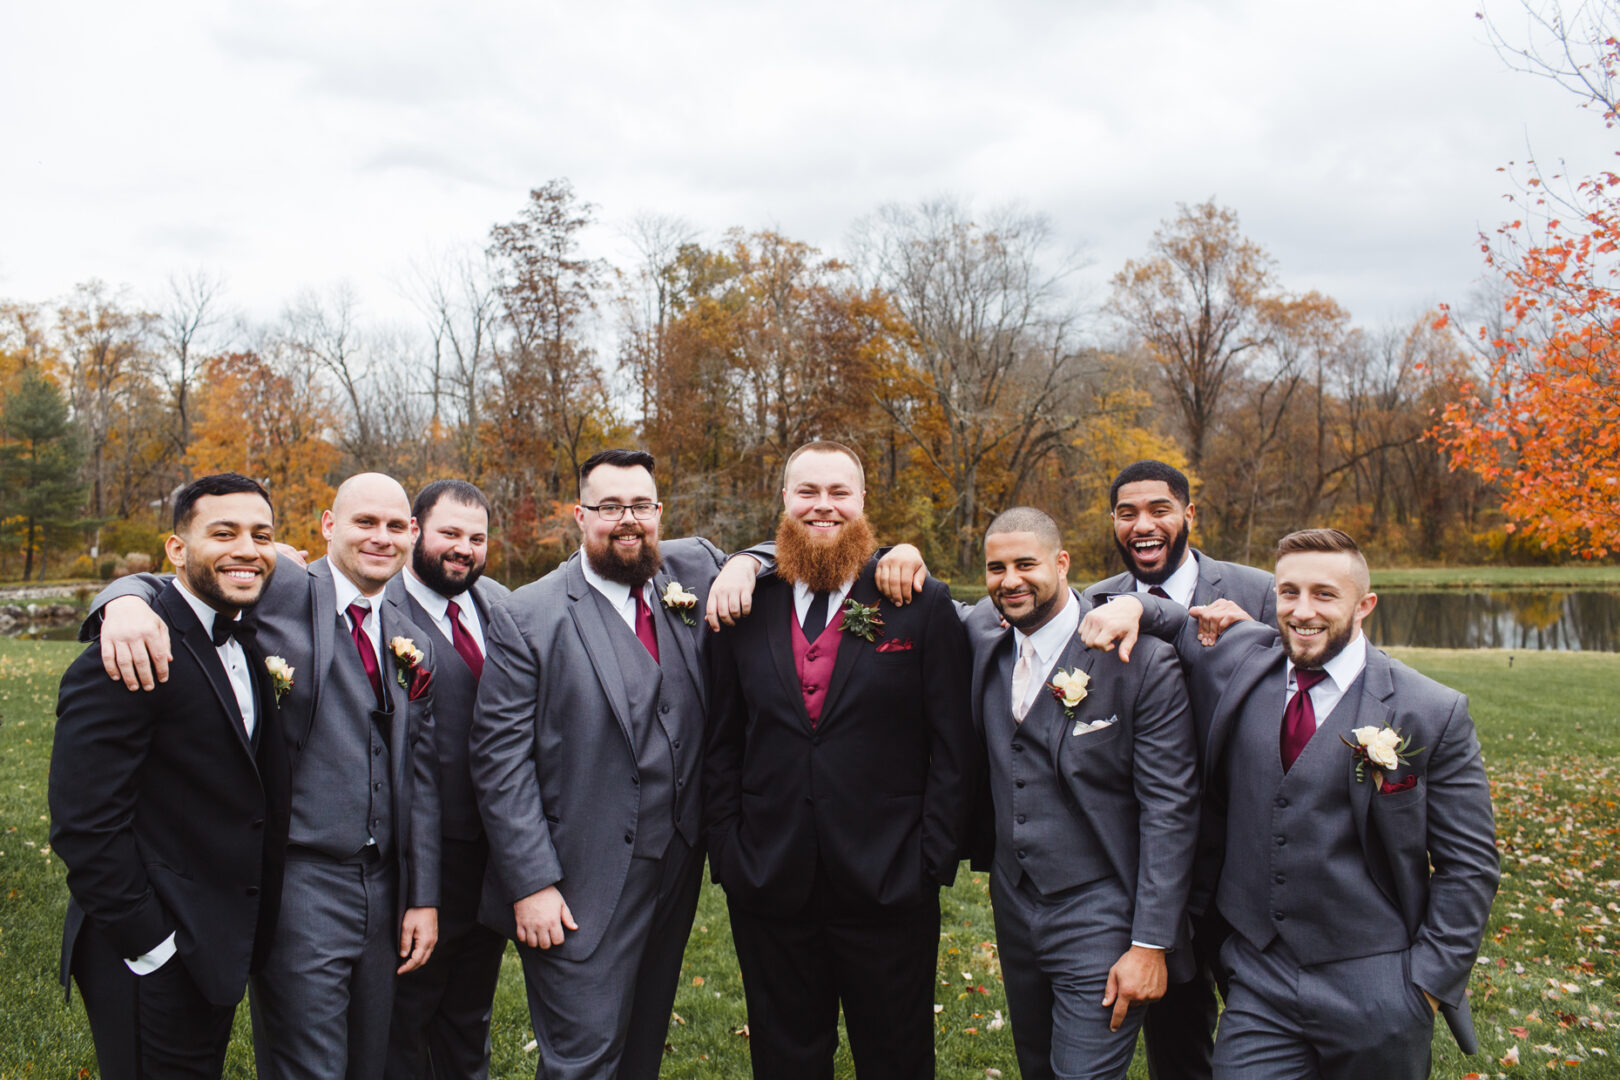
841 765
585 752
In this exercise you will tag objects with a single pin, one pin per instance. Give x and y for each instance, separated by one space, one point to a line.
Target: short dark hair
1138 471
1030 520
185 500
622 459
825 446
1328 541
456 490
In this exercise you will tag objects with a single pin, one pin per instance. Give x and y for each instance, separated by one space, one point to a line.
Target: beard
822 566
1337 638
634 570
203 581
1178 548
435 575
1038 615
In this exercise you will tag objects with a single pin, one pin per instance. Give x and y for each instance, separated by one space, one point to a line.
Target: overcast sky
289 145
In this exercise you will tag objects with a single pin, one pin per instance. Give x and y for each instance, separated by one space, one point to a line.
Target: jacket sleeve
953 747
145 586
426 826
103 736
723 752
500 751
1165 775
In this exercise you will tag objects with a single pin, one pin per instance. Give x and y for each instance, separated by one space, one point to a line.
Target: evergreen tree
41 490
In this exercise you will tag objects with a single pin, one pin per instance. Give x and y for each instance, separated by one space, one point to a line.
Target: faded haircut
1027 519
1331 542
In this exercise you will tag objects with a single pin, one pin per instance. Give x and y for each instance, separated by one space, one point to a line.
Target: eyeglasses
641 511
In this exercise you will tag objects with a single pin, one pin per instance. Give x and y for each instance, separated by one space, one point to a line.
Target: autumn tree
985 387
190 312
1542 419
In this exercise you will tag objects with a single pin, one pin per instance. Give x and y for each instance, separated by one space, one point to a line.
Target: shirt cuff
1145 945
147 963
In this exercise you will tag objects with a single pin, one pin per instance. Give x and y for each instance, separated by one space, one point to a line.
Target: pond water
1533 619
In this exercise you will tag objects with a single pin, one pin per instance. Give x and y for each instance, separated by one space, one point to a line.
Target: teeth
1145 545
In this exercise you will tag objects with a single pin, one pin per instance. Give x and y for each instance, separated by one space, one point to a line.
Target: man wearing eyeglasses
586 750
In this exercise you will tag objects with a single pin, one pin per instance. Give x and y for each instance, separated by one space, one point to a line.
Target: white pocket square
1081 727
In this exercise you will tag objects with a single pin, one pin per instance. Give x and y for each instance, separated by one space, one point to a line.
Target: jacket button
636 780
1281 840
253 890
377 786
258 823
1018 783
677 744
1020 819
1278 879
1020 853
376 751
815 740
629 838
1281 802
664 708
1277 916
1018 748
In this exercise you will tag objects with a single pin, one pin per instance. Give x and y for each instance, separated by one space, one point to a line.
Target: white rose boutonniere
1383 748
1069 687
281 676
681 602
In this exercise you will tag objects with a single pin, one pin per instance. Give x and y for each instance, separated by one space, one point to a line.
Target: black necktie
815 620
241 629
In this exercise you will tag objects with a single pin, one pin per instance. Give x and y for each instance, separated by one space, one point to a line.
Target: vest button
1018 783
1020 853
377 786
1018 748
1281 802
1021 819
1278 879
1277 916
375 751
811 655
635 780
629 838
663 708
1281 840
677 744
809 688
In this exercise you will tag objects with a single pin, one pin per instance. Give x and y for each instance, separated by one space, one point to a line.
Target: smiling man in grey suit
362 876
1341 777
1090 813
585 751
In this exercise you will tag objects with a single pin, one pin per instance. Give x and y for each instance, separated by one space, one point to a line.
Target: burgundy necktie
463 642
1154 590
362 641
645 630
1299 718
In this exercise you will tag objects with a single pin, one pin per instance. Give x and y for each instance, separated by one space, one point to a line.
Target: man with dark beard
440 1026
1153 516
585 750
841 763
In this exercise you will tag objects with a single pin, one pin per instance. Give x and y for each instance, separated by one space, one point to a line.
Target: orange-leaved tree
1543 420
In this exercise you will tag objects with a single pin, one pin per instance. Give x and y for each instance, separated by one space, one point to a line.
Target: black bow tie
242 629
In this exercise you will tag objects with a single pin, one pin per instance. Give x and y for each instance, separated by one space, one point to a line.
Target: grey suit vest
1295 866
1039 830
341 793
455 692
666 725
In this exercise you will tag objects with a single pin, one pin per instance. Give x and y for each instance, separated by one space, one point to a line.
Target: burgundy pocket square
421 682
1405 783
895 645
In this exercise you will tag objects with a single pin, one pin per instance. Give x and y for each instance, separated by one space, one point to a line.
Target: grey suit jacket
1445 820
1246 586
1136 781
553 758
297 618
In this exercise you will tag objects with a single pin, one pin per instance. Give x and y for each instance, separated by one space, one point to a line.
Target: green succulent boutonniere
862 621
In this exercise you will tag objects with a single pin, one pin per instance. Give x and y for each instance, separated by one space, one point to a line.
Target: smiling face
1027 579
823 491
1151 530
1322 600
369 530
454 543
626 550
226 552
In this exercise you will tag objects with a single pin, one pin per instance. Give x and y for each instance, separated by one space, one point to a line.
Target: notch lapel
850 647
323 616
593 632
389 617
775 604
1247 676
672 626
1074 655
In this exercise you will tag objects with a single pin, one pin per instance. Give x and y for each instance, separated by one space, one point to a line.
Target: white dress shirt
1180 585
617 593
1049 642
437 605
802 596
1342 670
347 593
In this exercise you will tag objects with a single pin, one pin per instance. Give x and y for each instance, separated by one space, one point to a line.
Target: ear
579 518
328 524
1063 564
175 549
1365 607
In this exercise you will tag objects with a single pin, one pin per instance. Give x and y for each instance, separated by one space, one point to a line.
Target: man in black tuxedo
841 765
170 808
440 1027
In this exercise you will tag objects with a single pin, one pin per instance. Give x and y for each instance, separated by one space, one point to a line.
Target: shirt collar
835 599
617 592
347 592
1051 639
1345 667
433 602
1180 585
205 614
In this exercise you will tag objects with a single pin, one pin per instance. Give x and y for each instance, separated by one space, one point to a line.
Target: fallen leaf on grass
1511 1057
743 1031
675 1016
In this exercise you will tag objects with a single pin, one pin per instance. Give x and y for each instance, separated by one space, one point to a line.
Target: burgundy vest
814 663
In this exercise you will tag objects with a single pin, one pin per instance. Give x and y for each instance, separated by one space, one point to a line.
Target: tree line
953 349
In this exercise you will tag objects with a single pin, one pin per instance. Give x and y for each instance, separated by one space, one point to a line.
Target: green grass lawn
1548 982
1498 577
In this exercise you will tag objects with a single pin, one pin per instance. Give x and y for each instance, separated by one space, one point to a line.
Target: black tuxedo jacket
877 794
169 818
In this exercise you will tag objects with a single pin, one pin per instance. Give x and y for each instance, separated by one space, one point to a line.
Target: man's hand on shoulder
1115 623
542 917
1214 617
731 596
134 643
901 574
1136 978
418 934
298 556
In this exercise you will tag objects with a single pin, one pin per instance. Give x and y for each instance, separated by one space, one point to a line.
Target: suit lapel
850 647
593 631
1074 655
1365 702
323 632
201 647
1247 676
986 649
1208 588
672 627
390 617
